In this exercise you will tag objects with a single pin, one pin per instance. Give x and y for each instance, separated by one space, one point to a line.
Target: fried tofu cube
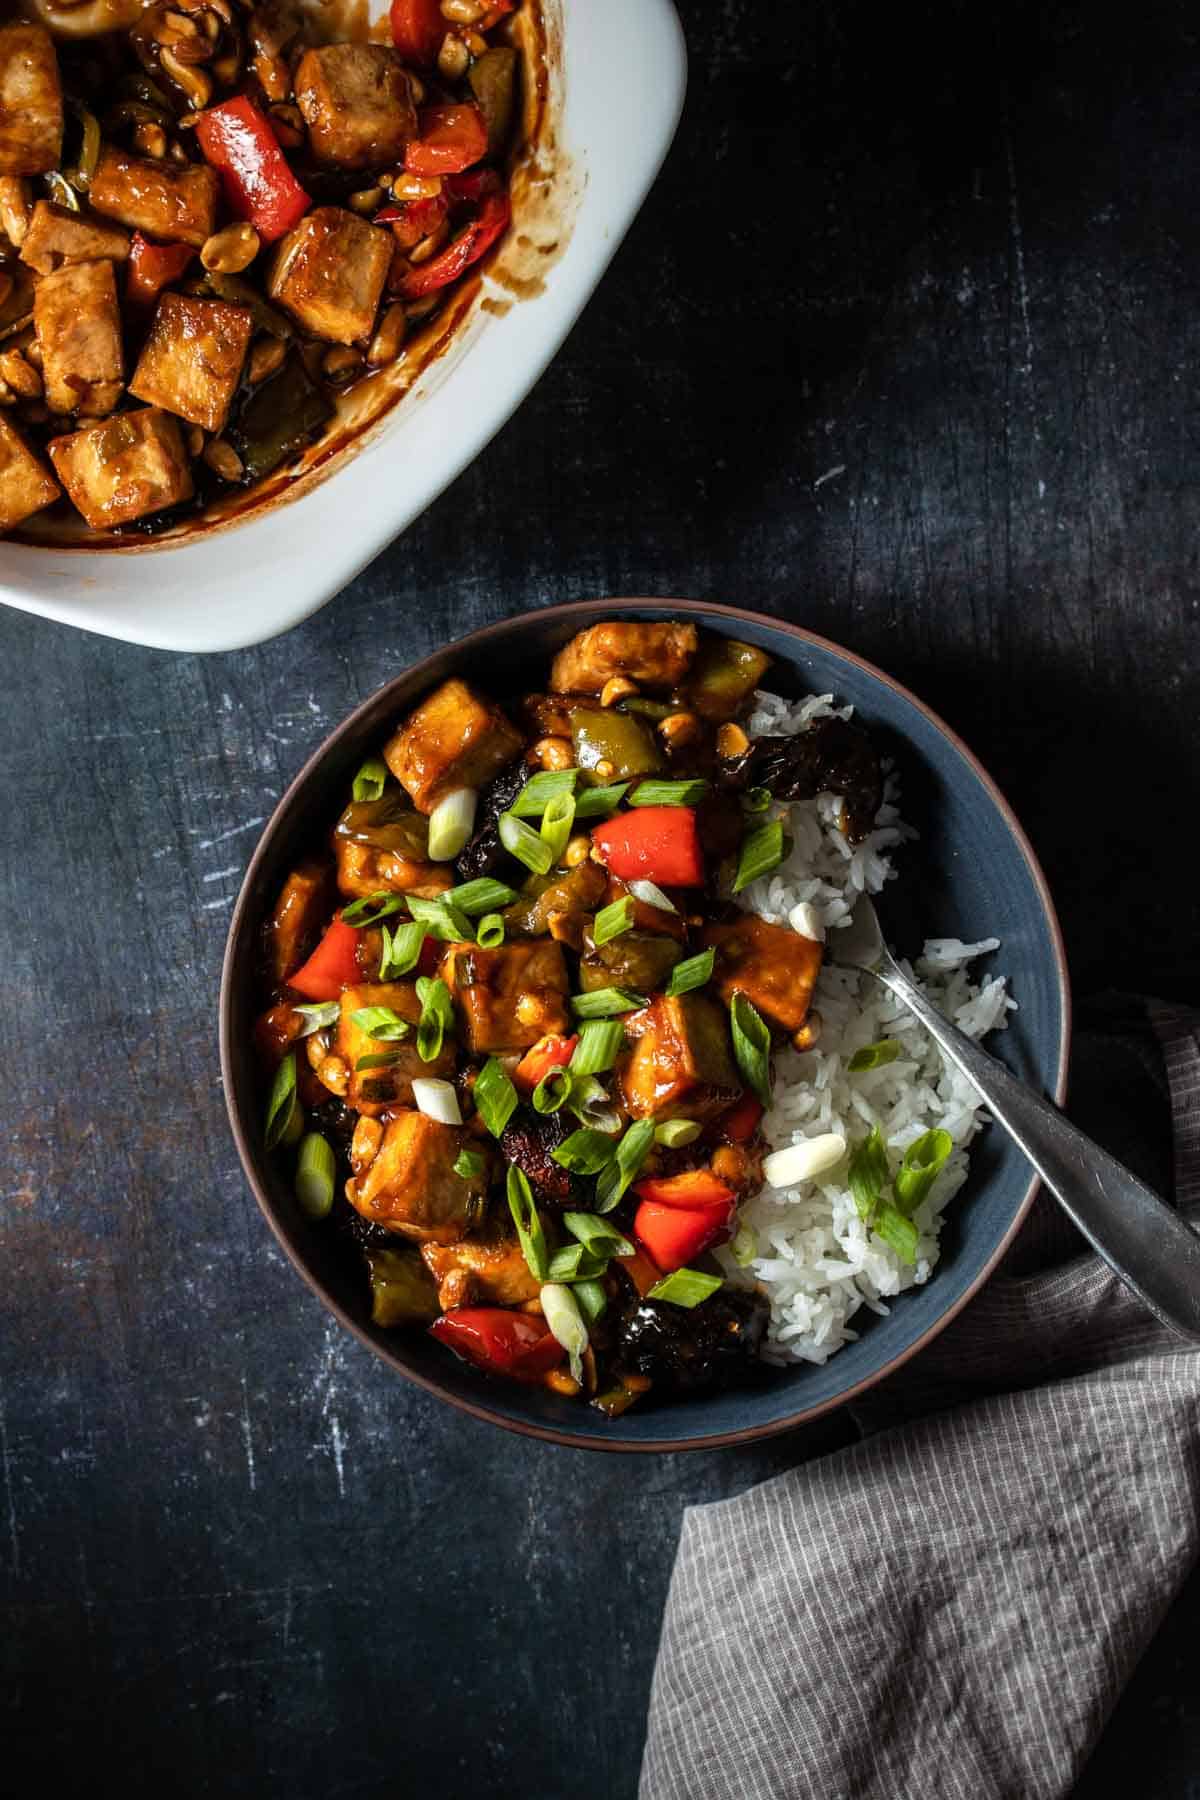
652 654
772 965
510 997
362 871
56 236
455 739
489 1271
123 468
192 360
374 1090
329 272
77 318
26 485
681 1064
304 903
31 109
174 202
412 1186
357 102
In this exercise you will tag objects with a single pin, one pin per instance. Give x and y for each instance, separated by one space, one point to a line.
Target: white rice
815 1260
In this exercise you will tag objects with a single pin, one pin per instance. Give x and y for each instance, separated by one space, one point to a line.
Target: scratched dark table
903 346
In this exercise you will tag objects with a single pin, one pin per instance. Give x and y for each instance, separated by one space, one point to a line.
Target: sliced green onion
592 1105
440 919
762 851
566 1322
874 1056
757 799
318 1016
675 1133
437 1016
899 1233
612 921
451 823
482 896
282 1105
751 1046
528 1223
601 1238
599 802
381 1023
600 1043
468 1164
371 908
606 1003
686 1287
495 1096
868 1172
650 894
669 793
692 973
541 789
489 933
744 1247
315 1170
527 845
61 191
615 1177
575 1263
401 950
379 1059
557 821
923 1162
585 1152
591 1299
552 1091
437 1100
371 779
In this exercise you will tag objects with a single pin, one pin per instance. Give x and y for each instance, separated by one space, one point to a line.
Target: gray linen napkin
952 1606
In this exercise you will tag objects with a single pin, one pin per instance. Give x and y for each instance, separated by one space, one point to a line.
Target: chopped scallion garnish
557 821
899 1233
751 1046
606 1003
451 823
668 793
378 1059
762 851
867 1174
489 933
744 1247
282 1105
437 1016
601 1238
923 1162
541 789
527 845
318 1016
371 908
315 1170
495 1096
615 1177
600 1043
692 973
552 1091
468 1164
440 919
575 1263
685 1287
566 1322
371 778
874 1056
591 1299
585 1152
401 950
482 896
675 1133
599 802
381 1023
756 799
528 1223
612 921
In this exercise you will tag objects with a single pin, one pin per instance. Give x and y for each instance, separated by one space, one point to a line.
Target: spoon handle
1148 1245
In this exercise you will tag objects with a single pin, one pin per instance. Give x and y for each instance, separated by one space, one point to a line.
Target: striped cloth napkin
952 1606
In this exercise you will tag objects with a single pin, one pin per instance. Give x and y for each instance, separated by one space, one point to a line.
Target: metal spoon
1139 1236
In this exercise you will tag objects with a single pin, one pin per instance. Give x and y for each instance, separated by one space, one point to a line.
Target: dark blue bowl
972 875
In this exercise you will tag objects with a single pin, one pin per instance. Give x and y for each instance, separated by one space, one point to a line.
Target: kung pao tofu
212 222
517 1027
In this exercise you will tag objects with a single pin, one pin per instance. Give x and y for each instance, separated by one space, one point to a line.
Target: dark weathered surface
903 346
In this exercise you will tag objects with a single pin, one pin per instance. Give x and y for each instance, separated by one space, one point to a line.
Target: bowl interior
971 875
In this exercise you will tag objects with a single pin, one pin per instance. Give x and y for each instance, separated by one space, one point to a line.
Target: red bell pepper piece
550 1052
152 267
741 1121
498 10
466 248
236 138
675 1235
451 138
694 1187
653 843
418 29
332 966
473 185
504 1343
413 220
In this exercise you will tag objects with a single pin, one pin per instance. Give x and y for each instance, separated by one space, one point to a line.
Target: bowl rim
564 612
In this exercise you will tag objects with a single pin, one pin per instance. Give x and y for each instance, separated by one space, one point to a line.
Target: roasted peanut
389 337
224 461
229 251
266 355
